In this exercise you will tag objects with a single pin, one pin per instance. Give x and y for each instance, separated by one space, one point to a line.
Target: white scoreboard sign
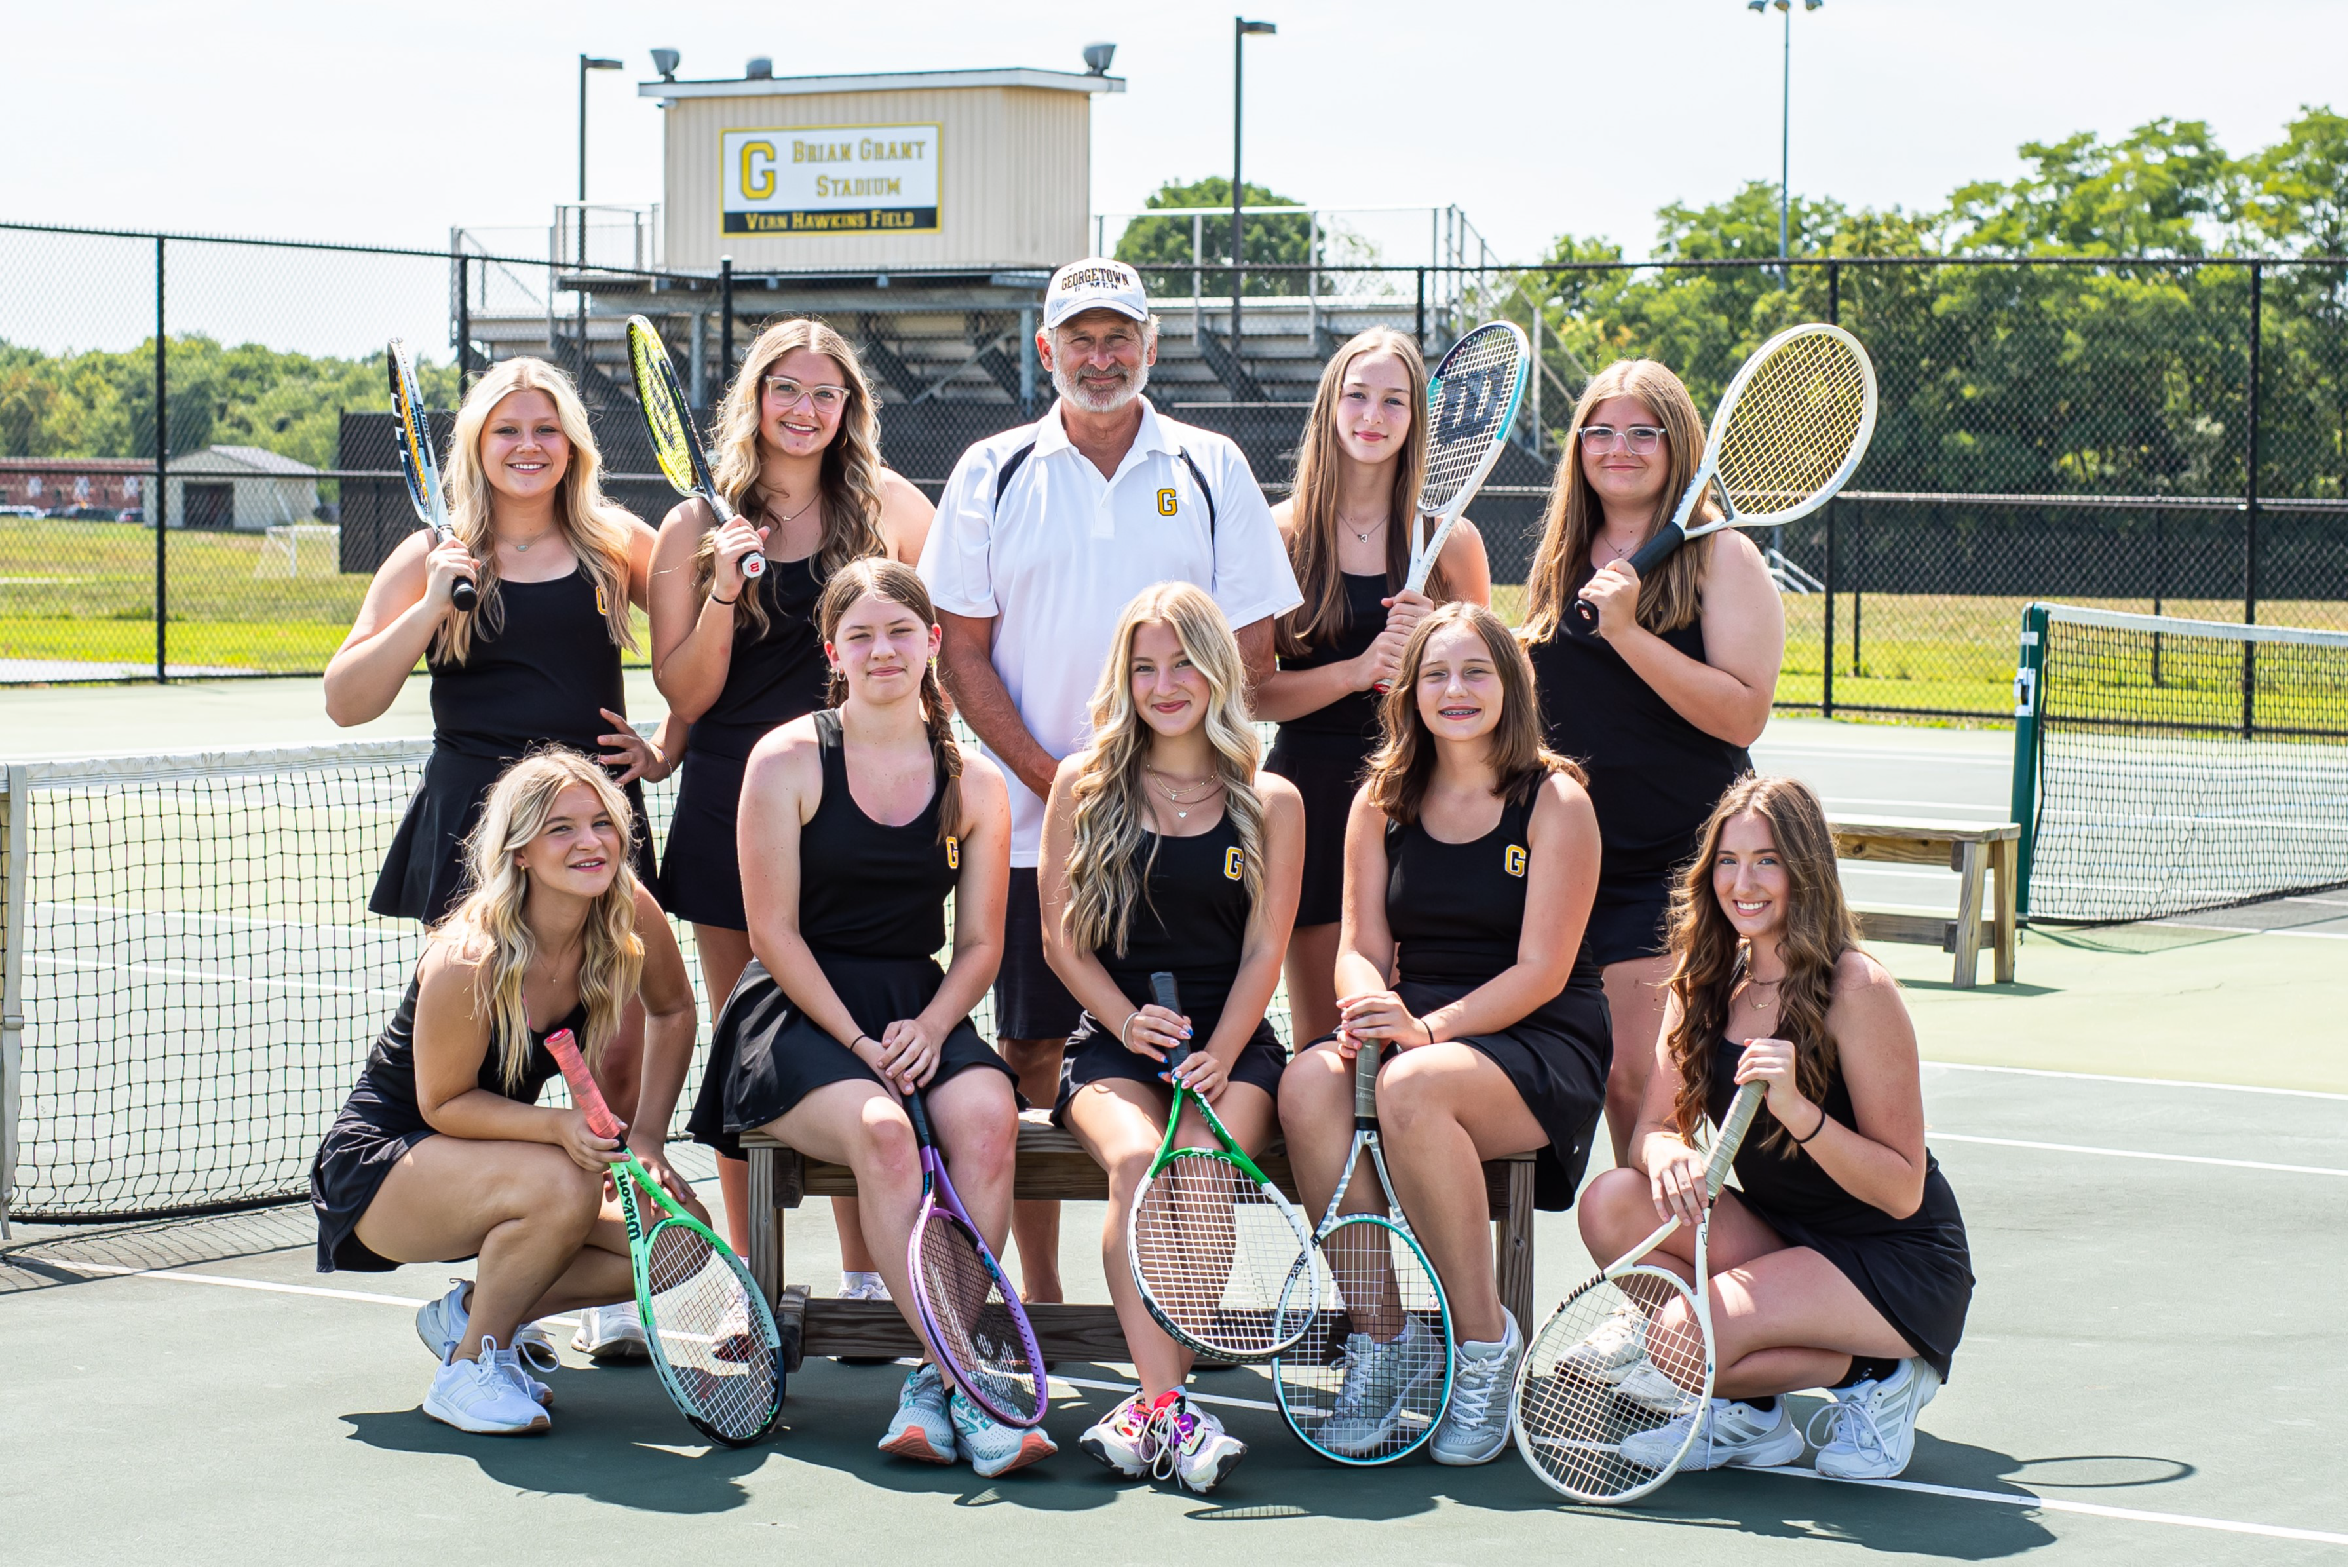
829 179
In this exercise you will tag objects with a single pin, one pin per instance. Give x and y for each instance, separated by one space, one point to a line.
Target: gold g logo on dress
1513 860
954 854
1233 863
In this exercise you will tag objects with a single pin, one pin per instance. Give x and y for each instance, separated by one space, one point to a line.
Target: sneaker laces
537 1354
1354 1380
1474 1382
1169 1426
1852 1418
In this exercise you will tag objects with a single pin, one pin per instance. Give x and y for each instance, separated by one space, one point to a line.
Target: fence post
1826 650
16 844
1835 301
464 324
1858 573
2252 511
1419 327
162 470
725 324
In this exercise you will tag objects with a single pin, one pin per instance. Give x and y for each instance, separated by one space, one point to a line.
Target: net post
1826 644
16 819
2030 659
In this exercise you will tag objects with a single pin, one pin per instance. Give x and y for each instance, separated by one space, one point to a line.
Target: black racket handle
1646 559
921 1119
1166 995
464 596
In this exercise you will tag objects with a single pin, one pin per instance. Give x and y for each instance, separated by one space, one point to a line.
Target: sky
260 117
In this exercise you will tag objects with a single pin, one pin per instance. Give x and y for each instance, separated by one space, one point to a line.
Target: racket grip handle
1733 1128
464 596
583 1091
1366 1081
1168 995
1644 560
921 1119
754 563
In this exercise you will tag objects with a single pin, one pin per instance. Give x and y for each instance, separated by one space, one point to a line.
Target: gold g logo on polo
1166 502
1233 862
1513 860
954 854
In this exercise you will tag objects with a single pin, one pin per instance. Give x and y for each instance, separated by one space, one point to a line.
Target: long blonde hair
599 530
1400 771
850 477
492 921
1104 884
1313 516
1669 596
899 584
1710 957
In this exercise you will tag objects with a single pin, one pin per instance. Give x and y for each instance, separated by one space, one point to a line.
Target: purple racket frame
938 1193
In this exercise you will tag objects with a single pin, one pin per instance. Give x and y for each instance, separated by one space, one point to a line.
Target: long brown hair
1668 597
1710 958
599 530
1399 772
1313 516
899 584
850 477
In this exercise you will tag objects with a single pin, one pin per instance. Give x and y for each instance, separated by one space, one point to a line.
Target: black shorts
1030 1002
1094 1053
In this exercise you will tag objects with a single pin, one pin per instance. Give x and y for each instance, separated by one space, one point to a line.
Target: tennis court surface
2149 1132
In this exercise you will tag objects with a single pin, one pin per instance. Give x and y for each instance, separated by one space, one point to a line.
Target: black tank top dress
541 678
873 910
1655 777
1917 1272
379 1123
1324 753
1192 922
771 678
1457 911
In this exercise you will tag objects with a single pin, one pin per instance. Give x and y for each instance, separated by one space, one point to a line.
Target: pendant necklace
1181 810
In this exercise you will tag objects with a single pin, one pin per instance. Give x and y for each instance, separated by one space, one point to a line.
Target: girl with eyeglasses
798 458
1661 699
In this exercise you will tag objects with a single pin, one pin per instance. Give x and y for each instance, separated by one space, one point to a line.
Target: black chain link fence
2162 435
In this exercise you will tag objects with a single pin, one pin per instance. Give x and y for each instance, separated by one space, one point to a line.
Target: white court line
1870 754
212 977
1834 801
2064 1505
2150 1082
2256 932
1937 1136
2017 1500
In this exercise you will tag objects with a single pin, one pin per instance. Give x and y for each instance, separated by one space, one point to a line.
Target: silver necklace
1211 784
523 549
1616 552
1357 533
767 508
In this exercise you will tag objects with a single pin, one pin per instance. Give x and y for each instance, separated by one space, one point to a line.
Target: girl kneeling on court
441 1153
1840 1260
1166 850
1471 857
857 822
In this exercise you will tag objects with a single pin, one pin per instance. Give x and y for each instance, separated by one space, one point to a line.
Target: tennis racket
1791 428
969 1311
674 446
713 1338
1369 1380
1472 402
417 464
1223 1259
1622 1359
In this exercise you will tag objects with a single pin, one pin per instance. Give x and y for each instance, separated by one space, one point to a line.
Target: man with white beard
1042 536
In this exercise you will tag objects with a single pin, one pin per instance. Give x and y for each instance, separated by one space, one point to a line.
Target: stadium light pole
588 63
1242 28
1786 102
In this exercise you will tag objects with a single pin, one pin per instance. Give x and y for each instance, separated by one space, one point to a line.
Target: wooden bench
1051 1164
1972 849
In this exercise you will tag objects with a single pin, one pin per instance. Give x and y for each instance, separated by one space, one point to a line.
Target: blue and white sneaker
992 1448
1872 1425
1375 1384
484 1395
1475 1425
441 1324
613 1333
1732 1433
921 1429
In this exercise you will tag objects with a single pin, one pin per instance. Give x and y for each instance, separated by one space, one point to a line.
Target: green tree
1161 248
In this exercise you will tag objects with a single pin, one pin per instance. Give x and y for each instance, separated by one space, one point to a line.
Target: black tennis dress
771 678
1192 922
1324 753
1917 1272
1457 911
541 678
379 1123
1655 777
873 910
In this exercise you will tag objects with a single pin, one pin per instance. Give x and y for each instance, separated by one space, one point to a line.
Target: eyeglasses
1638 440
788 392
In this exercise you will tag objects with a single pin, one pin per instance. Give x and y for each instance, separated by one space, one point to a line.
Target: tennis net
2163 765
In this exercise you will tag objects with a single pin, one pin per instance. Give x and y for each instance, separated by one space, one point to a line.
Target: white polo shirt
1066 550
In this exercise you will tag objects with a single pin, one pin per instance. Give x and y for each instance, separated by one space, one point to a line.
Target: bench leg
1970 857
1513 1259
766 1226
2006 856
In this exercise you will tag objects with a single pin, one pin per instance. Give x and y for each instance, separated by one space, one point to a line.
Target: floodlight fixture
1098 57
665 61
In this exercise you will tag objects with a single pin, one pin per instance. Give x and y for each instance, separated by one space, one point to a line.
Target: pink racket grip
583 1091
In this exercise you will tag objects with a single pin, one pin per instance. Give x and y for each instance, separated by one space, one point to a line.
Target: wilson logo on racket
1167 503
1463 403
1513 859
954 854
1233 864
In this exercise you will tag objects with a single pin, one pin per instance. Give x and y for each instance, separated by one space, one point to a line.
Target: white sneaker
992 1448
1122 1439
921 1429
612 1333
1475 1425
1376 1381
1191 1445
859 1286
441 1324
1872 1425
484 1395
1612 1351
1646 1387
1729 1432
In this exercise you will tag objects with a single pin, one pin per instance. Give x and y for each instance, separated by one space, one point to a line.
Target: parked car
22 512
91 514
131 514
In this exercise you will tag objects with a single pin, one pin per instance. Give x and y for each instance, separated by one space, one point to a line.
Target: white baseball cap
1096 283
